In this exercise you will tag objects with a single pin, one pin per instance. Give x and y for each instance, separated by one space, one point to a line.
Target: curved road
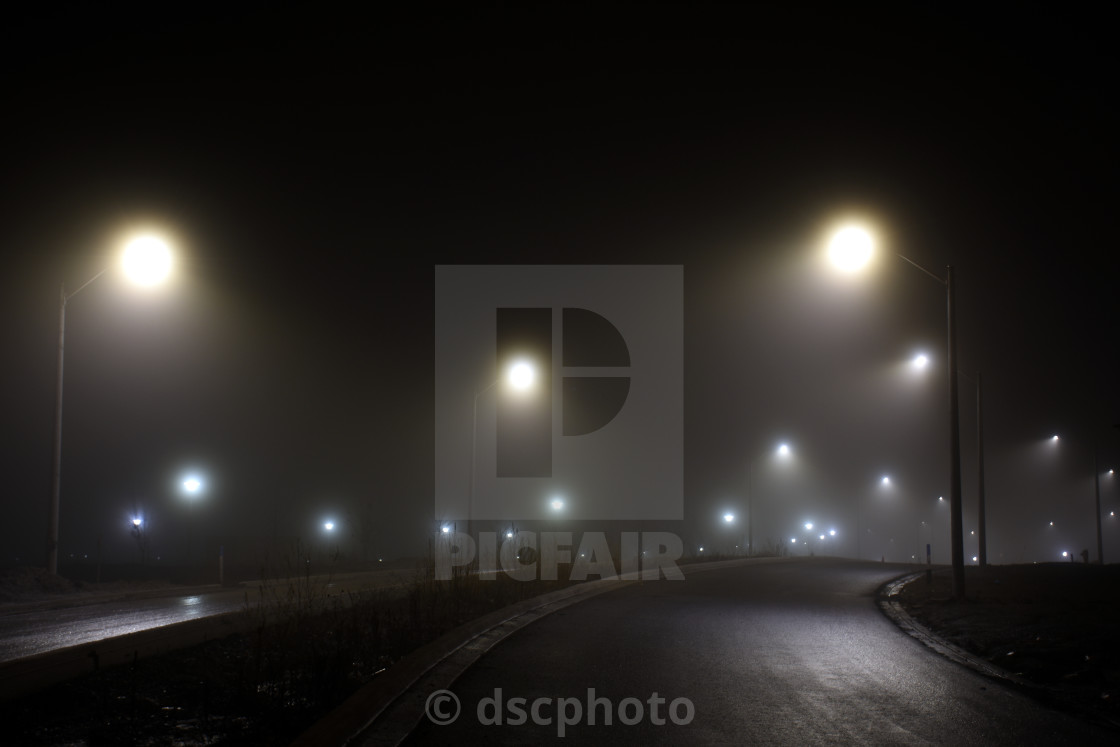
791 652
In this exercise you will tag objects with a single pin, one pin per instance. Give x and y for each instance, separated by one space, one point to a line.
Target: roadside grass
310 645
1053 624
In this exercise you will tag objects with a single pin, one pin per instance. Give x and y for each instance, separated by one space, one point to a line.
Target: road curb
895 611
386 709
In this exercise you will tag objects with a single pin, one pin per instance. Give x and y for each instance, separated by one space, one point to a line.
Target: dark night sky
316 165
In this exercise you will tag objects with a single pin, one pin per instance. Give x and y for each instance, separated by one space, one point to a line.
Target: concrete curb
386 709
894 610
1050 696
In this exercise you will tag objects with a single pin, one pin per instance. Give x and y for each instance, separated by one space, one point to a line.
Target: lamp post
520 376
782 452
851 248
981 509
1096 499
147 261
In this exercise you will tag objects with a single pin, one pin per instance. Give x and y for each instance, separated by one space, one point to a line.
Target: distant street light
328 525
138 535
192 485
557 504
1097 500
729 518
850 249
920 361
783 452
146 260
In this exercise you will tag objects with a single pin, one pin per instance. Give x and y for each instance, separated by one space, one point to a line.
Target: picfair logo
558 389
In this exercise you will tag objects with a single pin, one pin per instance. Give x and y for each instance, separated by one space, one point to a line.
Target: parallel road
61 637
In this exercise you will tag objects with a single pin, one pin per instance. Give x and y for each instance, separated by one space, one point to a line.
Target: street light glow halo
851 247
521 375
147 259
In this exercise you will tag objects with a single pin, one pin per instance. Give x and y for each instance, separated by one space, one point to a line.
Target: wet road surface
771 653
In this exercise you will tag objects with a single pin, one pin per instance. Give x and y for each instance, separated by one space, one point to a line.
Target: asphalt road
792 652
56 623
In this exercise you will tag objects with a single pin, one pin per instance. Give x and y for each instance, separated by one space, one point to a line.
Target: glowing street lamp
729 518
520 376
783 452
1097 499
146 260
850 249
192 485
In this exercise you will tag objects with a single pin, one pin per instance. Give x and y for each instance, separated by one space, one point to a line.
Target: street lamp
850 249
521 376
146 260
1097 500
192 484
783 452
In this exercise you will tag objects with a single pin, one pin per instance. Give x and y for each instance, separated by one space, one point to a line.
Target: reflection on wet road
28 631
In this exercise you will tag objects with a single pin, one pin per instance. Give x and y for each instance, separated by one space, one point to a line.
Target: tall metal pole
56 460
1097 485
750 509
474 451
981 510
955 507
